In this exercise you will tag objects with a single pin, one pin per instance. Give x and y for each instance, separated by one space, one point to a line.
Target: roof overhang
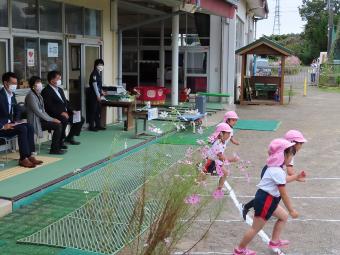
259 8
264 46
221 8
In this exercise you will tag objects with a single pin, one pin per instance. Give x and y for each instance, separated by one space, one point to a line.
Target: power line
277 23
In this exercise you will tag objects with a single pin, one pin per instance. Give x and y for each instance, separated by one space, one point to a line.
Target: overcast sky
291 21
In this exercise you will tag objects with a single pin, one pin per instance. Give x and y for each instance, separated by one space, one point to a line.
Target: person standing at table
94 96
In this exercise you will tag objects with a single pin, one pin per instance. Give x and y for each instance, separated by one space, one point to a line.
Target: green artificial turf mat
258 125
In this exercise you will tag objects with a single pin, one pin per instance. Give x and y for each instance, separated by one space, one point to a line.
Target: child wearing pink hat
296 137
215 155
271 190
231 118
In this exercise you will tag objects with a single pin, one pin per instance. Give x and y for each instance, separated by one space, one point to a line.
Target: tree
292 42
315 13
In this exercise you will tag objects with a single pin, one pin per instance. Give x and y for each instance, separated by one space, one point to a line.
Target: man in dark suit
11 125
57 106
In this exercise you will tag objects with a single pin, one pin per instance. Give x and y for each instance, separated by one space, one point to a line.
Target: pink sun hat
276 151
295 136
222 127
230 115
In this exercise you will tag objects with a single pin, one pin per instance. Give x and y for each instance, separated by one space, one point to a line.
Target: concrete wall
215 55
229 60
248 37
222 56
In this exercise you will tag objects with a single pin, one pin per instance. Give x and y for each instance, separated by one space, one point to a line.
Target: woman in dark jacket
95 93
39 119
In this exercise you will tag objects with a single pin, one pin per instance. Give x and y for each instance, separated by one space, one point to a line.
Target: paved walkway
317 231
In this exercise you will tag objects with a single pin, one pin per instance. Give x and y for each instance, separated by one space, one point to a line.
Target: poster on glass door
30 57
52 50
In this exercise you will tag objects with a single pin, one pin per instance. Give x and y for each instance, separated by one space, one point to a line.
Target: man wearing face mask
11 124
39 119
94 95
57 106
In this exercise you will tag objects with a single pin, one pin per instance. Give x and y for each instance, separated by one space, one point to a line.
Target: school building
172 43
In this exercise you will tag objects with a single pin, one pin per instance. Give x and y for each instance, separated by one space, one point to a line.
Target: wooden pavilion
271 86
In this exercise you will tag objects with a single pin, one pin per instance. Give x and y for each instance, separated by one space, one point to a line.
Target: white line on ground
203 253
244 196
307 179
297 197
319 220
249 220
209 220
236 221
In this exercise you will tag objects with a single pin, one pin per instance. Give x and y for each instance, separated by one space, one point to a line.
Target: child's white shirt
215 149
272 179
231 135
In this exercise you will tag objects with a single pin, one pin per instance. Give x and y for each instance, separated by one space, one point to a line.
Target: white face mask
12 88
39 87
100 68
59 83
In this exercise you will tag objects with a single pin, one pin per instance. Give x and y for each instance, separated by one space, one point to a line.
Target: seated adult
58 107
11 124
39 119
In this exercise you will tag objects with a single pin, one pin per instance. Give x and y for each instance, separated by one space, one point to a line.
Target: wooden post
243 74
283 59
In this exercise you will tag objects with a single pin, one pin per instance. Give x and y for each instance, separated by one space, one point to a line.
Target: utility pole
277 23
330 26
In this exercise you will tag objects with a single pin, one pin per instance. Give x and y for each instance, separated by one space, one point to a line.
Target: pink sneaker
278 244
244 251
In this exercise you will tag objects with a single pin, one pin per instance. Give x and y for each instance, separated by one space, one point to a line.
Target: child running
296 137
271 190
231 118
215 155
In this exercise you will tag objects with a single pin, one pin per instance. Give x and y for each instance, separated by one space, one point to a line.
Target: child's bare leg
201 176
258 224
282 216
222 178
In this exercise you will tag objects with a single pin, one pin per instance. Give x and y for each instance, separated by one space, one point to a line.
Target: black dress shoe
57 152
72 141
63 146
93 129
100 128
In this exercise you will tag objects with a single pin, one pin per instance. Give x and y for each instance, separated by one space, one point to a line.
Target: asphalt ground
317 230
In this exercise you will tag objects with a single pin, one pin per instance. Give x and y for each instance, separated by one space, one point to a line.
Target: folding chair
39 141
7 144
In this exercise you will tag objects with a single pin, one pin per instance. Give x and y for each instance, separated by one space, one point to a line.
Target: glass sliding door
91 53
74 75
26 59
3 57
196 70
81 59
51 57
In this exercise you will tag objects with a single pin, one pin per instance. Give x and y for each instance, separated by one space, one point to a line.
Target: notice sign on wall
52 50
30 57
